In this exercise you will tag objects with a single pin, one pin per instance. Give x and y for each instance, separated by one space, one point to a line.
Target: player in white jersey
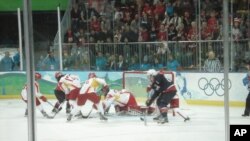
38 95
89 92
123 101
59 92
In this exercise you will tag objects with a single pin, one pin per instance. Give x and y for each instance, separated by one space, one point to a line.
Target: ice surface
207 124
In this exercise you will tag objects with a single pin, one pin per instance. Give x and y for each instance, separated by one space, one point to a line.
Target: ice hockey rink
206 124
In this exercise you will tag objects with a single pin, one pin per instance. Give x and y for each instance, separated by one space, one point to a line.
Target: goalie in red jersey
123 101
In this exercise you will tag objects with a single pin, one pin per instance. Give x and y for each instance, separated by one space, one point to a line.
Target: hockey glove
43 98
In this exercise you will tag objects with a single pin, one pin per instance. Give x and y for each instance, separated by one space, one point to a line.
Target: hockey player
124 102
38 94
70 84
162 89
89 92
60 95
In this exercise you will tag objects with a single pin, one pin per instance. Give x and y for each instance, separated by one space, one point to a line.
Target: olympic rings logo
214 85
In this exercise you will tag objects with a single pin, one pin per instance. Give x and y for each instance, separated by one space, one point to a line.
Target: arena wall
194 88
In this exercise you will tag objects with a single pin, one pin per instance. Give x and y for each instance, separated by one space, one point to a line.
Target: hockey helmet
91 75
58 74
38 76
151 72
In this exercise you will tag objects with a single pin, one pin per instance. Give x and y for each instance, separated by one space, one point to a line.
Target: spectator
173 64
169 10
100 62
133 65
6 62
212 64
95 25
206 31
121 64
50 62
172 33
75 17
180 33
157 65
176 20
152 34
160 9
145 65
162 34
16 60
111 63
67 61
213 24
236 32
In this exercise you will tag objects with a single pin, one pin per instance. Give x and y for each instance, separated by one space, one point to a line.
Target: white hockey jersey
37 91
119 98
69 82
92 85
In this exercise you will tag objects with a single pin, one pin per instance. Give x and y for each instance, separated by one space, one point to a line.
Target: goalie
39 96
124 102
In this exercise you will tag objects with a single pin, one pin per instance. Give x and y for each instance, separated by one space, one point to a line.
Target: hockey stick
50 103
86 117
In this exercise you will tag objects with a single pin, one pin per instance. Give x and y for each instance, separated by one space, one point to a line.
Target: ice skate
186 119
157 118
26 113
245 115
162 120
56 110
102 117
45 114
69 118
79 115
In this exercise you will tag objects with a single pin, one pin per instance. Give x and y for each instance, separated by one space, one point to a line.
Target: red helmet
91 75
38 76
58 74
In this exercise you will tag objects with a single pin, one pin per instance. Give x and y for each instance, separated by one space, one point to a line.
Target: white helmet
151 72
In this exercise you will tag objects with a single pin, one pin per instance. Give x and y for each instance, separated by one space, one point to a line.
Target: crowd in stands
128 21
151 20
102 34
